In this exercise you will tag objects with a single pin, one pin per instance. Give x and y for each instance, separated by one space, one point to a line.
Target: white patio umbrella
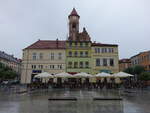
63 75
122 75
44 75
103 75
82 75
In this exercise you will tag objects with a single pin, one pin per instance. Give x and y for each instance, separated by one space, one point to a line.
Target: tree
129 70
6 72
145 76
138 69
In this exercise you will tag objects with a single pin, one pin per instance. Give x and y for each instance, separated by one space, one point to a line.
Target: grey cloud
124 22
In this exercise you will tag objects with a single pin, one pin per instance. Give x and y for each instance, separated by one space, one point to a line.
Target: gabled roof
48 44
100 44
8 57
74 13
140 54
125 61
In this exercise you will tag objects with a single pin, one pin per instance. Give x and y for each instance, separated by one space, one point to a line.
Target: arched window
74 26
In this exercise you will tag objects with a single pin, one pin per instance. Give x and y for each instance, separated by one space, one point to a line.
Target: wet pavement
37 101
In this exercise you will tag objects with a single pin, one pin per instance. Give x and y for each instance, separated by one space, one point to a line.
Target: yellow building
78 47
104 58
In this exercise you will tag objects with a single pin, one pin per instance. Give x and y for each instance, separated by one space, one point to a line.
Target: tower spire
74 13
73 24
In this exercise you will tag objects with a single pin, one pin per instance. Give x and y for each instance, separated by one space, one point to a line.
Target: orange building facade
124 64
142 59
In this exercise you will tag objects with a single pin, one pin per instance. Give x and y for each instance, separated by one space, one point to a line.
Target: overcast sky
122 22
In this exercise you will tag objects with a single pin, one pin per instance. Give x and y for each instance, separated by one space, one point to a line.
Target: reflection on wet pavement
37 102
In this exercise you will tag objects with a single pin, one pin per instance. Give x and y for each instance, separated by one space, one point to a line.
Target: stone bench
105 98
63 99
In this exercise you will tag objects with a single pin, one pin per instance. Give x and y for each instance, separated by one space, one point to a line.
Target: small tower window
74 26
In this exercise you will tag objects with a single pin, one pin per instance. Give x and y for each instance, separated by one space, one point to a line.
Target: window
104 62
75 64
76 44
96 50
70 44
86 44
41 56
86 53
110 50
70 53
33 66
34 56
51 66
70 64
81 54
59 66
52 56
40 66
87 64
59 56
75 53
23 54
111 62
97 62
103 50
74 26
81 64
81 44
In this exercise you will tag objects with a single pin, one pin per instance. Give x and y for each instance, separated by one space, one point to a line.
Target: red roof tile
74 13
48 44
125 61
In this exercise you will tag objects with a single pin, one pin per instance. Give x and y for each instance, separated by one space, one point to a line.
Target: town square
98 66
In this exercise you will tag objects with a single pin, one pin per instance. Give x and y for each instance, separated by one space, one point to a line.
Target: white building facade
38 58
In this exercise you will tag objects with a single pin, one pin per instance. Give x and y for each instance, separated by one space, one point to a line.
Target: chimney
57 42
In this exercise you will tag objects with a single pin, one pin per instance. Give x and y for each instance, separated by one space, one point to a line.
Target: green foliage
6 72
145 76
135 70
138 69
129 70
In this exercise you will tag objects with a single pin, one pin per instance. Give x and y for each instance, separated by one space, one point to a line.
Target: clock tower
73 25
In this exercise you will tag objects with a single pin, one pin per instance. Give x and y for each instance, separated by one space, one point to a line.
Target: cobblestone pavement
36 101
